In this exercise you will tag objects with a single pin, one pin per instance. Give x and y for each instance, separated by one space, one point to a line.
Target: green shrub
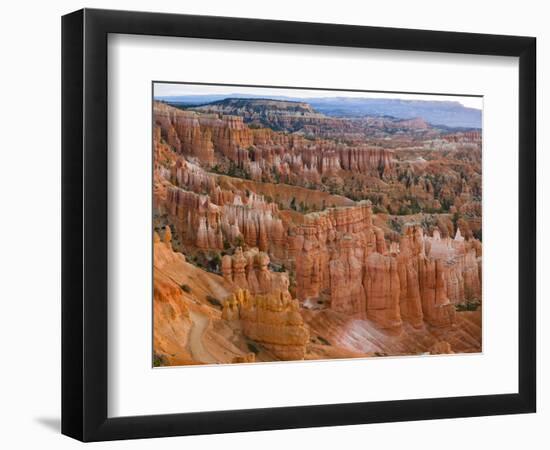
469 305
253 348
214 262
214 301
395 225
404 211
186 288
293 204
239 241
477 234
158 360
277 268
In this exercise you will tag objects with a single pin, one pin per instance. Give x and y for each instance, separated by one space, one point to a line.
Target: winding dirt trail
200 324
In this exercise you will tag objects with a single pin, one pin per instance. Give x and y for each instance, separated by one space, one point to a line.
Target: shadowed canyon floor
285 234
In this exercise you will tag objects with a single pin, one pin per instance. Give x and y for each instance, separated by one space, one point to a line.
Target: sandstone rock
463 276
248 358
327 236
200 135
437 309
410 250
273 320
441 348
270 208
381 281
167 236
346 280
181 129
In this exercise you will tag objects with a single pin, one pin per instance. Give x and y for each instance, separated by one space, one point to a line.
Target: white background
135 389
30 177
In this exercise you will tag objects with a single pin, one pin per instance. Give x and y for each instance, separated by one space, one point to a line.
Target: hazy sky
174 89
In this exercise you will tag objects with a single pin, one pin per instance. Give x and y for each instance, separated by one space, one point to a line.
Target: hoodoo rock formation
381 281
272 319
249 270
285 234
342 252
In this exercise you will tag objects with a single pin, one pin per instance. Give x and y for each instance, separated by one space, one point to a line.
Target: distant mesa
449 113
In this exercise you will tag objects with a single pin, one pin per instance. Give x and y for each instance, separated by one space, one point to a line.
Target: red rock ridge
272 319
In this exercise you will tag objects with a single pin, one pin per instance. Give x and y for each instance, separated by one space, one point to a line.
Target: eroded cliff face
271 319
249 270
194 325
256 252
347 164
227 142
340 252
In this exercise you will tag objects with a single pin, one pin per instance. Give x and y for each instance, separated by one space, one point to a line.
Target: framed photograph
273 224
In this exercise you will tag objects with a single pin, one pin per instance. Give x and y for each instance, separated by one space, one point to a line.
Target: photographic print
295 224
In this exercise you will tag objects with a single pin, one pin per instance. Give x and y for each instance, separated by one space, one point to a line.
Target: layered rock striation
272 319
263 152
250 270
281 215
340 252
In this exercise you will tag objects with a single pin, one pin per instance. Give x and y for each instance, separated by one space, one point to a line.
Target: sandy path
200 324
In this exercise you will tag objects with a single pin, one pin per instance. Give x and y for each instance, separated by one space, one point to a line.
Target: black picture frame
84 224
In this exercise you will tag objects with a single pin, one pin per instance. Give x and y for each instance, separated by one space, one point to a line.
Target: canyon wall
219 184
271 319
342 253
209 137
249 270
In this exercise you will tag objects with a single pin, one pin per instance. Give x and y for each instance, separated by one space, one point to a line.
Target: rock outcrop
343 253
381 281
408 253
263 152
328 246
363 232
249 270
202 223
273 320
463 265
